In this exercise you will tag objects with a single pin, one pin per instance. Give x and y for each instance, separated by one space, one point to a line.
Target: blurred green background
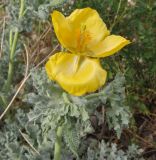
135 20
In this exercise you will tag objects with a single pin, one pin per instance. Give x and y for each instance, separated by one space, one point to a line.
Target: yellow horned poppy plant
86 37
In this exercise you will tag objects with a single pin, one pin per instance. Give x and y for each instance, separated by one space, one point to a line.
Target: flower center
83 38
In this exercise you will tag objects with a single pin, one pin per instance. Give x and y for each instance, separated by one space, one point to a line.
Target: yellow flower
87 39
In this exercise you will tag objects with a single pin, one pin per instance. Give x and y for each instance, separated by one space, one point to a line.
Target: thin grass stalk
13 43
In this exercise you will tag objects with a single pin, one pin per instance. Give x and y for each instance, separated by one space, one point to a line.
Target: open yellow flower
87 39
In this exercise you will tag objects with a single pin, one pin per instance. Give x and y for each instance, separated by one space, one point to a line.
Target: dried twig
41 37
140 138
31 146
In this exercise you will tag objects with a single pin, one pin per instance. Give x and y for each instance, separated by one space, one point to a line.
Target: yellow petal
110 45
89 20
63 30
76 74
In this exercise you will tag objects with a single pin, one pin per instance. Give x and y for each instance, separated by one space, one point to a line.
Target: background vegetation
117 123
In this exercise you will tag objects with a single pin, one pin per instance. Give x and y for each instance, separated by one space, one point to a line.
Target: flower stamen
83 38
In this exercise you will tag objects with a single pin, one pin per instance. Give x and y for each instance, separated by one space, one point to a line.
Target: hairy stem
58 143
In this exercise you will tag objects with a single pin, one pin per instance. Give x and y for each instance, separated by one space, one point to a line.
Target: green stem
11 60
58 143
13 44
21 11
10 38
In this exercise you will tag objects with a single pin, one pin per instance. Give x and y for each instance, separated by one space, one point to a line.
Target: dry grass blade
31 146
2 39
27 60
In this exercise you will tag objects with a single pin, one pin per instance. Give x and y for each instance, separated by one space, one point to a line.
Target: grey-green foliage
52 107
113 98
10 148
14 146
35 11
106 151
118 114
43 10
